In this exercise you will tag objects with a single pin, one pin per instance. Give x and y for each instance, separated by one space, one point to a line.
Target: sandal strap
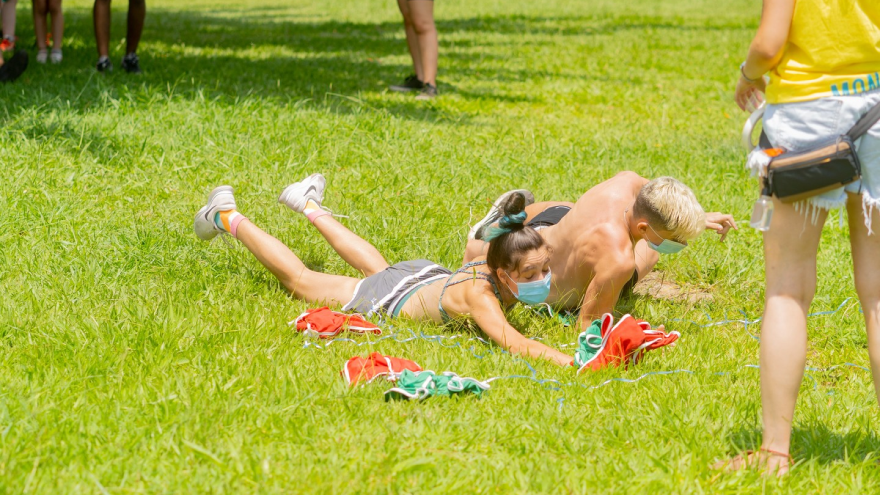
776 453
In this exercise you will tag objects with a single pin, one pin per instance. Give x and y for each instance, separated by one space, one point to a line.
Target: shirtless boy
611 237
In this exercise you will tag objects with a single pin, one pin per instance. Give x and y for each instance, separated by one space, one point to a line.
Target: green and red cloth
605 343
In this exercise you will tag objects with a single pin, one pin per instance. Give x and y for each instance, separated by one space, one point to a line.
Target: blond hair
670 205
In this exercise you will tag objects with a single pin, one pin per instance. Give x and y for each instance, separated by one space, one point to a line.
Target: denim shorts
798 126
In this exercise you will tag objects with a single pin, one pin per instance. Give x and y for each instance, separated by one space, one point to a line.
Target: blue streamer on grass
556 385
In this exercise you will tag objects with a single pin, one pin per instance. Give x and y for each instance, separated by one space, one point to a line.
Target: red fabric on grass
326 323
626 342
366 369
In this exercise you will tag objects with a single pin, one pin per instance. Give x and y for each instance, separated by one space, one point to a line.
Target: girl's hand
749 95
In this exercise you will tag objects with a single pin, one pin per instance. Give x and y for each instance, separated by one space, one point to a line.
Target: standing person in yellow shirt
823 58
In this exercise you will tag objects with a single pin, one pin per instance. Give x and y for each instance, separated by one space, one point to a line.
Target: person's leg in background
101 17
40 8
11 69
7 20
57 29
414 82
137 13
422 12
412 39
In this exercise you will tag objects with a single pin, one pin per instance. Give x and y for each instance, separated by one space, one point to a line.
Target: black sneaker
429 92
131 63
104 65
13 68
411 83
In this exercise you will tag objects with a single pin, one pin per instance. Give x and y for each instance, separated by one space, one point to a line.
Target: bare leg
313 287
790 255
137 12
866 264
357 252
57 24
7 12
412 40
423 21
101 16
40 28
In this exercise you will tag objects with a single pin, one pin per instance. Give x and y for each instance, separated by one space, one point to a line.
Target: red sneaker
8 44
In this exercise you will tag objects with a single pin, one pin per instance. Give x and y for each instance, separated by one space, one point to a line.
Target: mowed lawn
137 359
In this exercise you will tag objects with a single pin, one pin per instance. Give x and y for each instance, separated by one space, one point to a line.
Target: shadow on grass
817 443
272 53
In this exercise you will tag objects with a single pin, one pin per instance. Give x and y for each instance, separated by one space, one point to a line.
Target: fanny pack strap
865 123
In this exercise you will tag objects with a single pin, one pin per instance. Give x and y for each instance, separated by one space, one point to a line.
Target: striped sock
228 220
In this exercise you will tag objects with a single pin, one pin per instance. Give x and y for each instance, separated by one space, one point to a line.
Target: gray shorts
387 291
798 126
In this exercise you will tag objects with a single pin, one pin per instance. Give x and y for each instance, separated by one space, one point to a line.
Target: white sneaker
42 56
495 212
55 57
220 199
298 194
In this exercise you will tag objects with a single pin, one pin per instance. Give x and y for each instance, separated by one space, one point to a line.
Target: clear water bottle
762 213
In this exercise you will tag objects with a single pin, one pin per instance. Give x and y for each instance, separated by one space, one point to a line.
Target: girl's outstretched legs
303 283
220 215
360 254
305 197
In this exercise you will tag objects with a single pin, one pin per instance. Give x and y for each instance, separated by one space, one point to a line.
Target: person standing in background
11 69
137 12
823 57
42 9
421 38
7 14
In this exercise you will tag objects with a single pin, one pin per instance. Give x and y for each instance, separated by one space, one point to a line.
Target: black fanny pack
793 176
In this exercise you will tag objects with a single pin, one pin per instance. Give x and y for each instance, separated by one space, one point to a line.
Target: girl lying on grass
516 267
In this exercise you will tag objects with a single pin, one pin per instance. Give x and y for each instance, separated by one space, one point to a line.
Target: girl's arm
486 312
765 51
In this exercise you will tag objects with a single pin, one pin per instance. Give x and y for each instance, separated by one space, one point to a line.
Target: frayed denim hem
813 206
868 205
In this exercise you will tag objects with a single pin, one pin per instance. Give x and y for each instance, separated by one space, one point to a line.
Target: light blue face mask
665 247
532 292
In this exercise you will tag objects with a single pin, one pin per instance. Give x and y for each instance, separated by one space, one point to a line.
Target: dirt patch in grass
657 285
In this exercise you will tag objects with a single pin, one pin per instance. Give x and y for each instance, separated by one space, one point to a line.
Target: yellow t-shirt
833 48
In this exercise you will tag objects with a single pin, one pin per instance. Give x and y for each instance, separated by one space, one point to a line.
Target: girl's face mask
667 246
531 292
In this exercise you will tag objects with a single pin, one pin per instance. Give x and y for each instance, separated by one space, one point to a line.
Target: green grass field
137 359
